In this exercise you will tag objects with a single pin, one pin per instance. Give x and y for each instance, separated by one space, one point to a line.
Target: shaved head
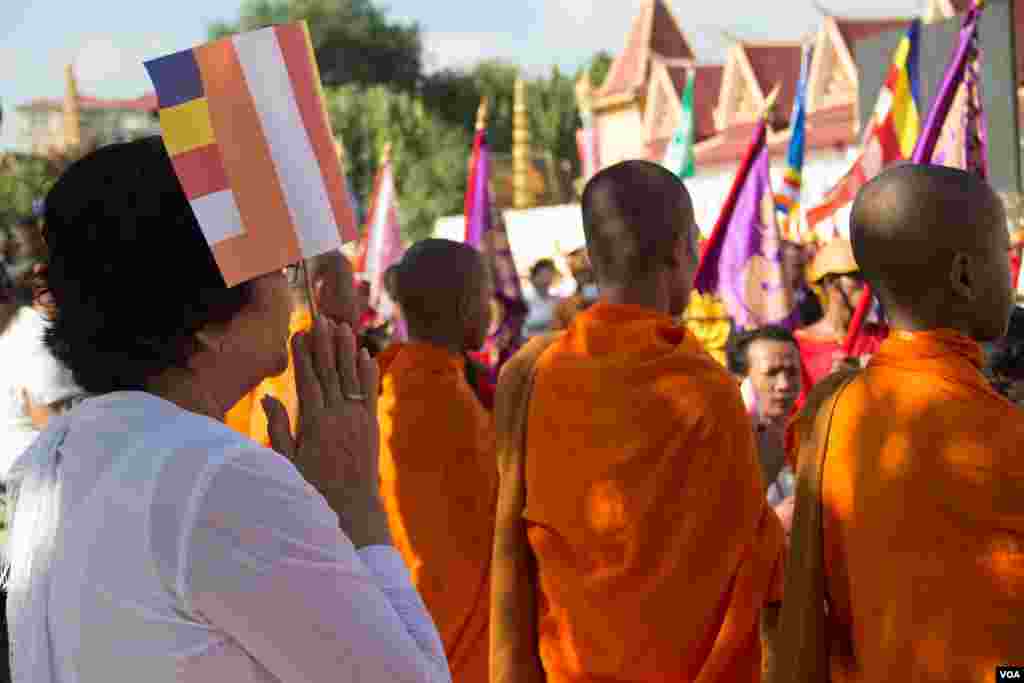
933 243
444 291
638 219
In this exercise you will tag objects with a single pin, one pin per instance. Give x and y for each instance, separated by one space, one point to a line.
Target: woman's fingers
369 379
307 384
278 427
351 385
324 361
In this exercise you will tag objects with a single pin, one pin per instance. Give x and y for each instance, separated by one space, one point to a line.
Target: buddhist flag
679 155
485 230
787 201
742 260
246 128
890 135
382 237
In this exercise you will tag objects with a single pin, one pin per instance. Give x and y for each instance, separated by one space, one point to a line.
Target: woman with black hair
149 541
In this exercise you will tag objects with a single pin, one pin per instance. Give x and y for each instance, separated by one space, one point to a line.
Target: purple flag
485 230
742 263
966 49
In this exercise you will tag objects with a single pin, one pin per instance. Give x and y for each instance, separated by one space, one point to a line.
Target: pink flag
382 240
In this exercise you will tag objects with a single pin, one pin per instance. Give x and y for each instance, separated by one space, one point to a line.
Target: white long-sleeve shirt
187 553
26 363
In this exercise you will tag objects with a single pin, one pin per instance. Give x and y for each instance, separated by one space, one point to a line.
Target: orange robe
923 497
645 507
247 415
439 484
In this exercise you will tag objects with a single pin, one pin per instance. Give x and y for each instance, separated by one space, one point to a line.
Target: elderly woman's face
261 329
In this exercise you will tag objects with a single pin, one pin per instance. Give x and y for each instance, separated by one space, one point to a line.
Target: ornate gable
664 104
832 79
654 35
741 98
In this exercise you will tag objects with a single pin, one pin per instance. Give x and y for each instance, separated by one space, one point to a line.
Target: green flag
679 155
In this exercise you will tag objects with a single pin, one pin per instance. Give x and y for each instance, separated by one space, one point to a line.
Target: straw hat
835 258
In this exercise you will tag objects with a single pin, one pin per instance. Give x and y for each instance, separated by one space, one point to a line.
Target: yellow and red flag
890 135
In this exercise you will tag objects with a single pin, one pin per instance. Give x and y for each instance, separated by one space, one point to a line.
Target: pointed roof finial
481 114
72 117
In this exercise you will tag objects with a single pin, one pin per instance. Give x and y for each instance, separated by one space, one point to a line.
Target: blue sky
108 39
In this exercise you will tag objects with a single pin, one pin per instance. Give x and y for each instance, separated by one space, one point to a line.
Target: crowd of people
266 483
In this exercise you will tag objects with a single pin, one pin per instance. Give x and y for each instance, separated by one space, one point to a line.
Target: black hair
543 264
739 344
1007 359
130 271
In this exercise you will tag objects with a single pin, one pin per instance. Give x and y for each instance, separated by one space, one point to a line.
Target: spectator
768 360
541 302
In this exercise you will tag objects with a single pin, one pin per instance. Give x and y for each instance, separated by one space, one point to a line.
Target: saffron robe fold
439 484
645 507
923 516
247 416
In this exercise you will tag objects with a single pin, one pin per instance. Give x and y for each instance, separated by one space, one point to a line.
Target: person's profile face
994 277
850 286
543 279
482 315
775 374
260 331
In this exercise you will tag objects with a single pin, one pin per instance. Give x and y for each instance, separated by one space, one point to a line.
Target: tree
25 179
430 156
354 40
599 66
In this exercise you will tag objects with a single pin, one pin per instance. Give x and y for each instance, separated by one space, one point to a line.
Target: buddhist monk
333 290
655 551
836 278
922 492
438 473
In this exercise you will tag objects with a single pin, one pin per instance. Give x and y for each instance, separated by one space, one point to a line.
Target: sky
107 40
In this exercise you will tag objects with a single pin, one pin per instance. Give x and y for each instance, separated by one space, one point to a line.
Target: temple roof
705 95
855 30
776 64
655 33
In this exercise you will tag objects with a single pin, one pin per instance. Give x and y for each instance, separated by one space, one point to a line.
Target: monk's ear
961 276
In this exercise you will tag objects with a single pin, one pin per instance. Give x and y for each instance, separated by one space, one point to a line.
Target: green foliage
429 155
551 104
599 66
354 40
24 179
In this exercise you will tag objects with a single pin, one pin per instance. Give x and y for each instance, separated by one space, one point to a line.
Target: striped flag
246 128
679 155
787 201
890 135
382 239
